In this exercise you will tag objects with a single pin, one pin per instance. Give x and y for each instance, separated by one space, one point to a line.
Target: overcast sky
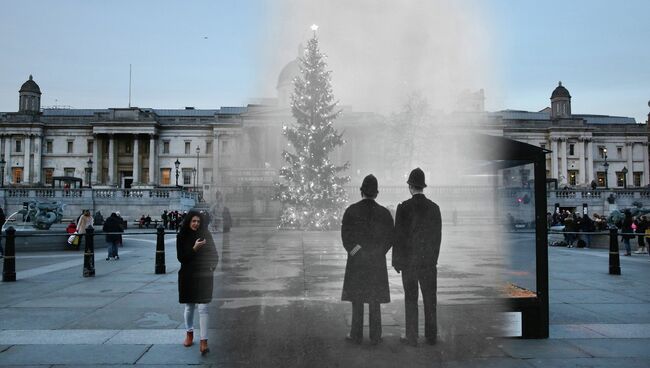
209 54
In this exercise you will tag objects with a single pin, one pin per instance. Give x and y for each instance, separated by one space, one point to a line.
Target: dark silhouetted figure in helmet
418 228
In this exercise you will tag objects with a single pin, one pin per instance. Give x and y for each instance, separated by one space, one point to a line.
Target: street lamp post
606 165
194 175
196 184
2 170
90 171
177 164
624 171
90 175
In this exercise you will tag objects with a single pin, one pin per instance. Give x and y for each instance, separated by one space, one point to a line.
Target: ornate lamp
177 164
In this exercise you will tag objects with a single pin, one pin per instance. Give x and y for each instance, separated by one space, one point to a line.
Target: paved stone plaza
277 304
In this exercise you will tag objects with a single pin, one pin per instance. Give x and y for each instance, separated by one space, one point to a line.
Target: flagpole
129 85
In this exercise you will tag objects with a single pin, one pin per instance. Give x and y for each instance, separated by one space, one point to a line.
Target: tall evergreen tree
313 195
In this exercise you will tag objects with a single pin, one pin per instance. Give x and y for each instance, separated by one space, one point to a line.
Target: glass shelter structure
518 172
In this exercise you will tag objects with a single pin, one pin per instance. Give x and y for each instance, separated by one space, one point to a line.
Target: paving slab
637 313
527 349
576 331
614 348
590 296
53 337
488 363
153 336
591 363
622 331
160 355
72 354
562 313
112 317
87 301
43 318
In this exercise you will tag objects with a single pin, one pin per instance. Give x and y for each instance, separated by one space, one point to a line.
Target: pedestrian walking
227 220
569 230
3 218
112 225
367 234
641 226
647 236
123 224
85 221
587 227
165 219
198 256
98 218
626 229
418 229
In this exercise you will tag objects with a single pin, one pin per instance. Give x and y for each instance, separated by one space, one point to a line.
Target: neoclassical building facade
115 147
610 151
237 150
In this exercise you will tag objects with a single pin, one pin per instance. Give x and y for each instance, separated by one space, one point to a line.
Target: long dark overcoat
113 225
369 225
418 231
195 275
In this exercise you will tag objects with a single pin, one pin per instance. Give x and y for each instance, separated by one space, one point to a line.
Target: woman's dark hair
185 226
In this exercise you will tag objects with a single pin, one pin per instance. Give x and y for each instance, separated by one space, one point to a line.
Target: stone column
581 155
554 148
111 160
215 159
136 160
96 160
590 161
563 166
630 164
152 160
7 172
27 163
646 167
38 144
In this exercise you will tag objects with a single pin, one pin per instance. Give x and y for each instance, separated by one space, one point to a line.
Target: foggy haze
382 51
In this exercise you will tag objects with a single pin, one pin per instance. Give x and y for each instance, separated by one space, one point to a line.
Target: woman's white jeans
203 318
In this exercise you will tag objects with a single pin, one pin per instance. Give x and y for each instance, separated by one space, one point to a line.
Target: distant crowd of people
629 226
172 219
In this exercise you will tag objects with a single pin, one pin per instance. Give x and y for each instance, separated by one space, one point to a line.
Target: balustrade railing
97 194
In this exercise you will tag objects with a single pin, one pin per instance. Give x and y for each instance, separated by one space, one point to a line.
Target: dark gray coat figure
371 226
195 274
418 229
367 233
113 225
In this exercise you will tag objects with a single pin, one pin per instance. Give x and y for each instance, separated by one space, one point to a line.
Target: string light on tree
313 195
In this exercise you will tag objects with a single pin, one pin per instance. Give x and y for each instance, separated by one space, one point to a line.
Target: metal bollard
614 258
9 266
89 253
160 250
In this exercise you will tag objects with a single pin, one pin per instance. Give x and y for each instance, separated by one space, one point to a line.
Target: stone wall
132 203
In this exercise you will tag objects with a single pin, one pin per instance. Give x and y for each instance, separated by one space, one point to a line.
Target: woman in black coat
198 256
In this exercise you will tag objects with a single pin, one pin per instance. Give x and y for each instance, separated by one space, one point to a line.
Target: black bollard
9 270
160 250
89 253
614 259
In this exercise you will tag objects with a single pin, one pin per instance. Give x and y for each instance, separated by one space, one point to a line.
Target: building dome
30 86
560 92
288 73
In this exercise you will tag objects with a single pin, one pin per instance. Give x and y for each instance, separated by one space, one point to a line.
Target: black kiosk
519 172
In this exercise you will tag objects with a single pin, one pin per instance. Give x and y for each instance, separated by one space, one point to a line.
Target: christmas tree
313 195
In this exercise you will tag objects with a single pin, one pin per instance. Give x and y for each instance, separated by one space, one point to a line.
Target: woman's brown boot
188 339
203 347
